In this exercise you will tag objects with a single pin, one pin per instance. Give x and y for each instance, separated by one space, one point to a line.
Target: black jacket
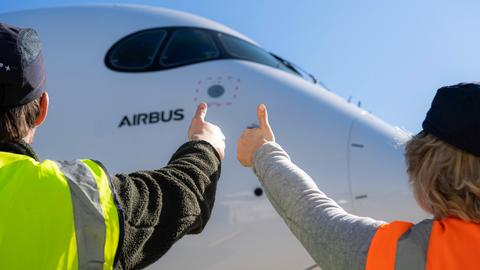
159 206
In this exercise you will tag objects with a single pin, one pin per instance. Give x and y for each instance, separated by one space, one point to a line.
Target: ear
44 101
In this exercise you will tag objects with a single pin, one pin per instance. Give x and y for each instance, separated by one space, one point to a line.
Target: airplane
124 82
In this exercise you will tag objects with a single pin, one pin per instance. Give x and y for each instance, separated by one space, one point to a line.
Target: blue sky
391 55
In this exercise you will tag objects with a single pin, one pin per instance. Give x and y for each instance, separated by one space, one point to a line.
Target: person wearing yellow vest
444 172
73 214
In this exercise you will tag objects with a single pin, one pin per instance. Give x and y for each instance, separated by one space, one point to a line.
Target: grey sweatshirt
334 238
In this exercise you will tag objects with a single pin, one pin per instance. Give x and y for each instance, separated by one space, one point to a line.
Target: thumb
201 112
263 121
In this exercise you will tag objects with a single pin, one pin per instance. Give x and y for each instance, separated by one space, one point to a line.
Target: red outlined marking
232 88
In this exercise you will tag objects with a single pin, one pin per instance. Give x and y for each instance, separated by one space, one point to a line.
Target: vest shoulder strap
413 246
383 247
96 217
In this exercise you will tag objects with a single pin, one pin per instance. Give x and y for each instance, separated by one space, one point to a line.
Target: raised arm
161 206
334 238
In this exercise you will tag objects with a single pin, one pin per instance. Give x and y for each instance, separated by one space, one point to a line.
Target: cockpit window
298 70
189 46
138 51
245 50
170 47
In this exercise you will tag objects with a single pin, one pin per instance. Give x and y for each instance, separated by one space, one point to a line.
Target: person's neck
29 138
18 147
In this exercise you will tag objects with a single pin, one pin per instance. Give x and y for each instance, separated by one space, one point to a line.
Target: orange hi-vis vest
446 244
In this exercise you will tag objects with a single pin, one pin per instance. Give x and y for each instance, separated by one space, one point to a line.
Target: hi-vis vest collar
447 244
56 215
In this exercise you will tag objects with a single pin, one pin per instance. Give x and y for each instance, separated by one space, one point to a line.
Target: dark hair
16 122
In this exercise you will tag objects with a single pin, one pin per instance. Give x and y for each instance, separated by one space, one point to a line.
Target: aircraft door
378 175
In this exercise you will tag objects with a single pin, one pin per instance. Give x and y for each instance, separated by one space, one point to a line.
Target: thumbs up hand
252 139
201 130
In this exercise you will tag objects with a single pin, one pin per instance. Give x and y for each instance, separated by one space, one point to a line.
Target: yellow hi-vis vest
56 215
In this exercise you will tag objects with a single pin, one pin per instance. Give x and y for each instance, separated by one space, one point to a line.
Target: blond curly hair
445 179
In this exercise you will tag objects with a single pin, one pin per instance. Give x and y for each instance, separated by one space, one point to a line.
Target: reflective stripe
383 247
62 215
111 211
412 247
445 244
88 215
400 246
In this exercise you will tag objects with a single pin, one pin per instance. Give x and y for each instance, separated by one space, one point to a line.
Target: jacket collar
18 147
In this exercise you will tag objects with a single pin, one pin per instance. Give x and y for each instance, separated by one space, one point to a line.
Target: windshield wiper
295 68
286 64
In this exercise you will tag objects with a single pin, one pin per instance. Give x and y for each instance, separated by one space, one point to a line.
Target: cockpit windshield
171 47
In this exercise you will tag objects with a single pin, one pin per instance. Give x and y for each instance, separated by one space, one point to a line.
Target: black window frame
214 35
157 65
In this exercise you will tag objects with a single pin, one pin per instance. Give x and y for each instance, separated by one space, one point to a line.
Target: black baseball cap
454 116
22 74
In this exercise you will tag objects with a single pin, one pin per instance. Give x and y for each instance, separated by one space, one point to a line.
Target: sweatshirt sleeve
334 238
161 206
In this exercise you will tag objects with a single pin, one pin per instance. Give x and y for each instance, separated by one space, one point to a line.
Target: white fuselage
353 156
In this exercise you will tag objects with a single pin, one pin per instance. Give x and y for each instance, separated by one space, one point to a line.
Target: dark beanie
454 116
22 75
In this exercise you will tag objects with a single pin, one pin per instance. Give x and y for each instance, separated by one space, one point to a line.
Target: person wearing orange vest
444 172
73 214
